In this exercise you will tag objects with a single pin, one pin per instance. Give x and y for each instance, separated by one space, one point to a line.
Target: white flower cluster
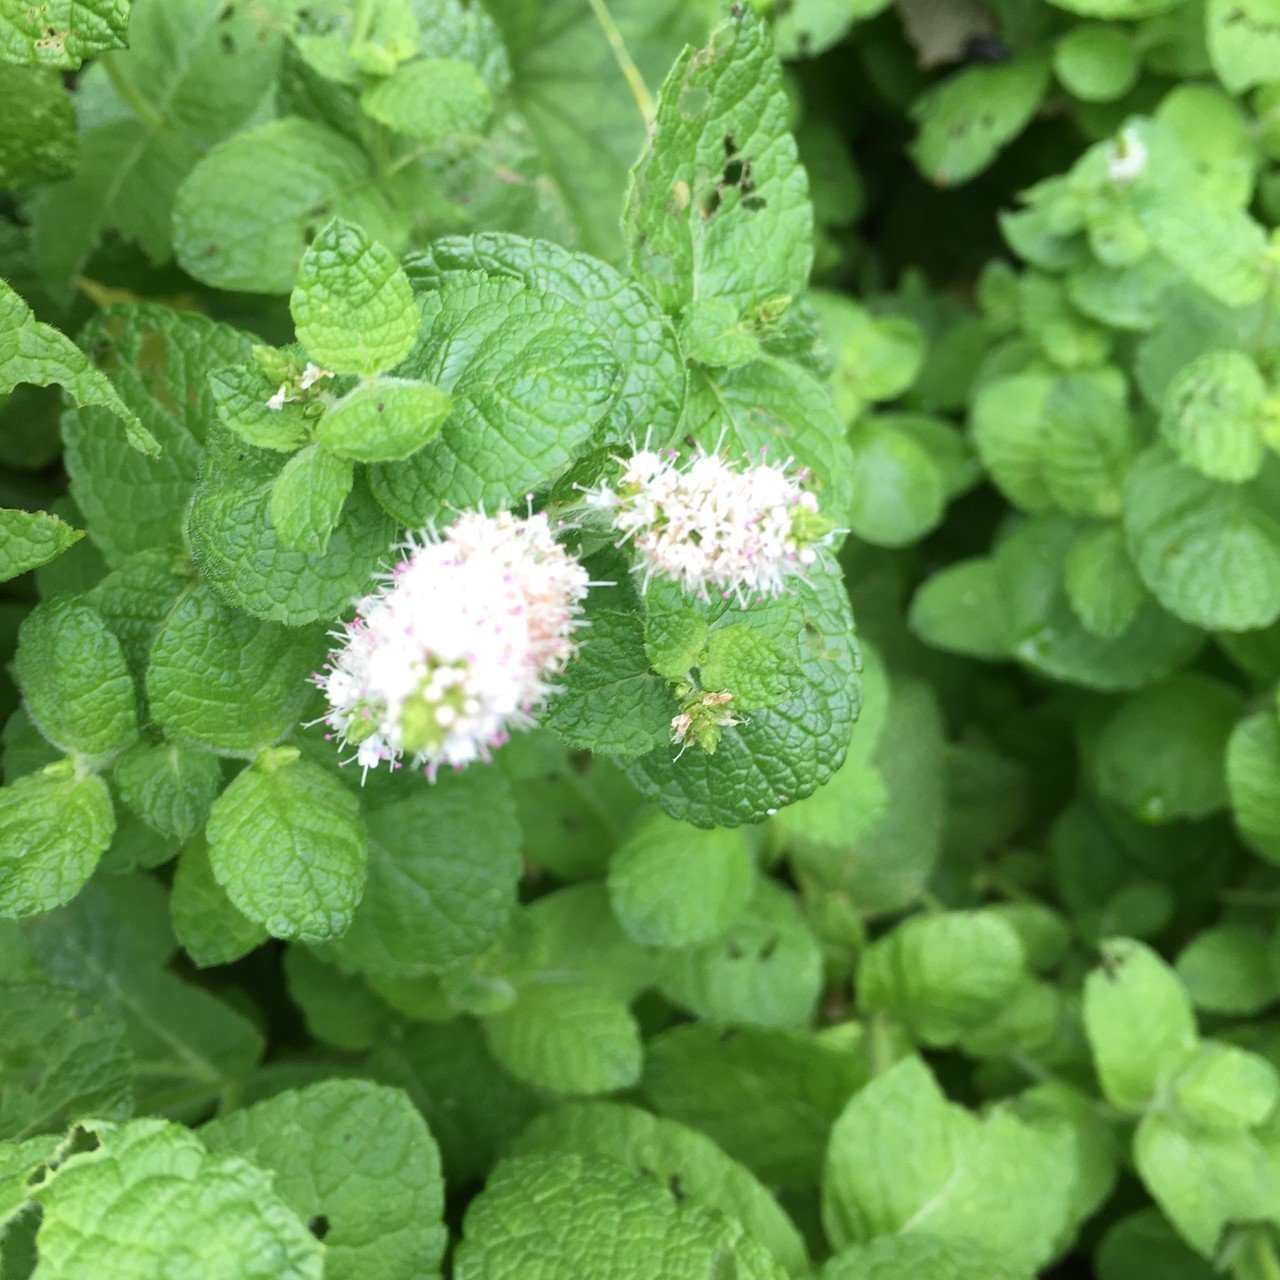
458 646
714 526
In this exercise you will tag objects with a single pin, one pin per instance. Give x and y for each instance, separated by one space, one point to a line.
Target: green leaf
193 71
942 975
1227 1090
1143 1246
243 396
60 33
65 1057
810 27
959 610
766 1095
444 863
1213 416
474 1107
674 635
384 421
568 1036
287 844
339 1008
26 749
191 1050
1102 585
1209 552
40 143
1096 61
1116 8
718 215
150 1189
125 182
160 361
1089 441
1062 442
781 753
758 664
38 354
873 358
169 786
1228 970
530 379
917 1254
883 866
247 565
31 538
74 680
1253 781
196 68
1005 421
766 970
1243 38
133 601
1139 1021
850 805
212 931
1205 1181
430 99
572 808
359 1155
1049 637
244 216
562 57
540 1217
307 499
652 389
967 119
1215 243
673 885
904 1160
610 701
674 1156
574 931
773 409
226 681
898 489
352 303
1160 756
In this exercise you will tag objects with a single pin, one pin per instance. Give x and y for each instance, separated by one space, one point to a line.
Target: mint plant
450 822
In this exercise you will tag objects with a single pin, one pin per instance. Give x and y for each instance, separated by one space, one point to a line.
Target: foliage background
997 999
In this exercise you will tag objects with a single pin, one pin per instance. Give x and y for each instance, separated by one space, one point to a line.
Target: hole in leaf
319 1226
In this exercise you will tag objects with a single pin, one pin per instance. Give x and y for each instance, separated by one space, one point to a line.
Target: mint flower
458 647
714 526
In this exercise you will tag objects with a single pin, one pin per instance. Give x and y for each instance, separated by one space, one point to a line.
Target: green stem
630 72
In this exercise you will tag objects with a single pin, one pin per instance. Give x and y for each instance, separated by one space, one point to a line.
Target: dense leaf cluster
951 952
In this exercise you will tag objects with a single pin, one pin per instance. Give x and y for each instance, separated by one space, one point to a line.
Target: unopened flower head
458 647
292 389
713 526
1127 157
702 719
